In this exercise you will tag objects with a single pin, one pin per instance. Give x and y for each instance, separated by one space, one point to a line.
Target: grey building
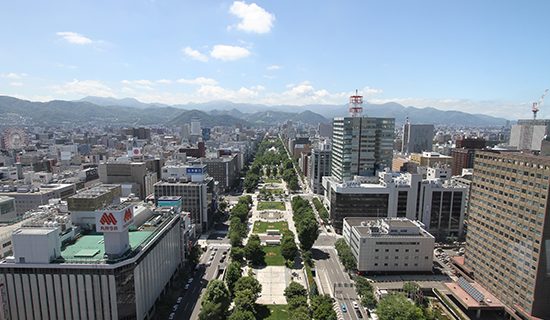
225 170
198 198
417 138
7 209
319 166
360 146
528 134
29 197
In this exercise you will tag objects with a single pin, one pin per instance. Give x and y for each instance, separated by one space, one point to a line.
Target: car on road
186 286
209 263
172 316
197 267
355 305
344 308
179 299
359 314
175 307
190 280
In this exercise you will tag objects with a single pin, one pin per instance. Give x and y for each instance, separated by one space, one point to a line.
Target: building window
376 250
396 250
376 264
385 264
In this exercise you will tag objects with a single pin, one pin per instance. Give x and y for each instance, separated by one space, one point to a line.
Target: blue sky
489 57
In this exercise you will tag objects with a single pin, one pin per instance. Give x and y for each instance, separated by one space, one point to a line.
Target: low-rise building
389 245
29 197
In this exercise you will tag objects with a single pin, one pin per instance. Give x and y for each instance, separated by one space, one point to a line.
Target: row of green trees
218 297
365 290
346 256
323 213
264 158
297 300
305 222
238 223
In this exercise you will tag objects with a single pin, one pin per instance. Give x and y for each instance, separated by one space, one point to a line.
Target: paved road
189 308
335 281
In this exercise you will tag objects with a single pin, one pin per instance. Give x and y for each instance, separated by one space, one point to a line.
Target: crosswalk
336 307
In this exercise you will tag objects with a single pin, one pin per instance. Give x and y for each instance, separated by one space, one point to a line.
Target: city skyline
467 56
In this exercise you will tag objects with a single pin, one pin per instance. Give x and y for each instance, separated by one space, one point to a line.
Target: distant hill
59 111
132 111
125 102
206 119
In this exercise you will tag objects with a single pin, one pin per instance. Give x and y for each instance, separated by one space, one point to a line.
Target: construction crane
538 104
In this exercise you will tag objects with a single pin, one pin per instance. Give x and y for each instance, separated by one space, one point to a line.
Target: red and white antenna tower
356 105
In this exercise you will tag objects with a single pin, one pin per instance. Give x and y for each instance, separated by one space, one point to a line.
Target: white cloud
199 81
137 82
253 17
164 81
74 38
84 88
194 54
229 53
13 75
16 84
273 67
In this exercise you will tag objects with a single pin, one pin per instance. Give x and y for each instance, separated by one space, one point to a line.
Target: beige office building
508 239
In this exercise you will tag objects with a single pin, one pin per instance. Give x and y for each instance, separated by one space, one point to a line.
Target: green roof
91 246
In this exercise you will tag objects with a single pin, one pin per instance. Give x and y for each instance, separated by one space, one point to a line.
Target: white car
190 280
355 305
186 286
179 299
172 316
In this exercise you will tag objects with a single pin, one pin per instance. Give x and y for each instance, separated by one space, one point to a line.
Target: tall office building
319 166
417 138
508 239
360 146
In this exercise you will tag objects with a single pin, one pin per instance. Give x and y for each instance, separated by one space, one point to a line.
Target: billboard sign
114 220
192 171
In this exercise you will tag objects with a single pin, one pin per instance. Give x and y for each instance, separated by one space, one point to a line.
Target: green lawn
272 180
273 312
273 256
271 205
262 226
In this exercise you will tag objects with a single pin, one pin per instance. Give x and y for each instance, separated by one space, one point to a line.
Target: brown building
196 152
402 164
431 159
508 239
463 154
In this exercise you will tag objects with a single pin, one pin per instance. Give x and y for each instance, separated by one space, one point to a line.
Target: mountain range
130 111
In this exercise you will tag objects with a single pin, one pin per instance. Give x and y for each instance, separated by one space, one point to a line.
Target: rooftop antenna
538 104
356 105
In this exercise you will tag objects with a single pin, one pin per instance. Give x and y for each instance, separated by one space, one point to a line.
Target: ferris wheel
14 138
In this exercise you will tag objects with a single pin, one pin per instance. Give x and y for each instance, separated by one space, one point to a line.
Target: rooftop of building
387 227
95 191
26 188
469 302
91 246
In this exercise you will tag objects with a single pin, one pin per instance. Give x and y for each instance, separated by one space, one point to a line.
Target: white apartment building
389 245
